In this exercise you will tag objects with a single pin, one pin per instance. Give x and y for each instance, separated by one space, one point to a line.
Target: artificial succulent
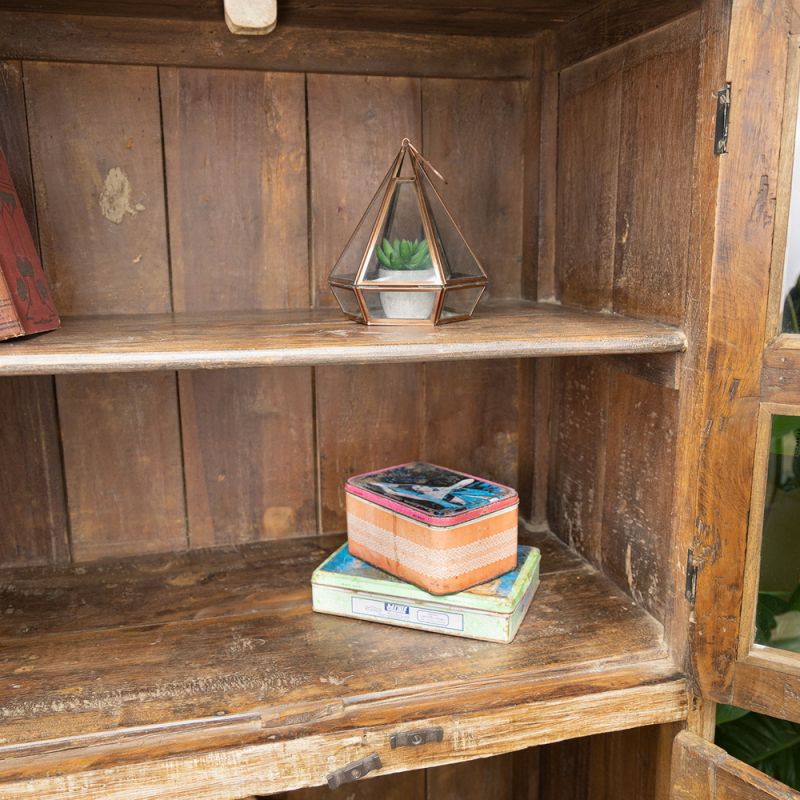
403 254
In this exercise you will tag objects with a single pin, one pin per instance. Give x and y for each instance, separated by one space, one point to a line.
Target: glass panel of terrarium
347 300
401 253
346 268
460 302
401 305
778 610
458 260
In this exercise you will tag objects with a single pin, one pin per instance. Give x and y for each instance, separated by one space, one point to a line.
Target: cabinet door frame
750 369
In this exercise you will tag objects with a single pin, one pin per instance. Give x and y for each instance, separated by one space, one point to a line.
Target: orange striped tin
434 527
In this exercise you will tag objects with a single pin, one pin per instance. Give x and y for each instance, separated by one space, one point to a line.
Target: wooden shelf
198 341
207 674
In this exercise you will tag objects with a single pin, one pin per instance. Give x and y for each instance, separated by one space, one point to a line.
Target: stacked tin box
433 549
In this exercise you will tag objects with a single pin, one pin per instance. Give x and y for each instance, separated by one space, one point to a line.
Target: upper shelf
207 675
500 329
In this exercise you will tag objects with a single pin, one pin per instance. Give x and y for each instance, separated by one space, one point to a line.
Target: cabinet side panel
34 525
637 500
97 164
235 152
655 178
588 155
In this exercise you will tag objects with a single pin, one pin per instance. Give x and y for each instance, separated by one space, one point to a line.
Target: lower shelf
207 675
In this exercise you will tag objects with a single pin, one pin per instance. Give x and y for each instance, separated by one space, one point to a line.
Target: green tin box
348 587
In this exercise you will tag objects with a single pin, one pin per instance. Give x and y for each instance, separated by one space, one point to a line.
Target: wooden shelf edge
297 761
213 341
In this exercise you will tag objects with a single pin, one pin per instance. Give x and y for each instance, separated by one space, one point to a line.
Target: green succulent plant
403 254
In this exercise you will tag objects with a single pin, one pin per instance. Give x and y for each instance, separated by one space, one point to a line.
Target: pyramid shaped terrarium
407 262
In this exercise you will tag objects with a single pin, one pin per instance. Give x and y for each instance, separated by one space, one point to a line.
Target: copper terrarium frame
370 305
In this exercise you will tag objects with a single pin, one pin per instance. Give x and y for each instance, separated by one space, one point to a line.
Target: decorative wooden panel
96 153
235 146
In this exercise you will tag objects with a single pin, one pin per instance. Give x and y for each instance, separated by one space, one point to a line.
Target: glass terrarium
407 262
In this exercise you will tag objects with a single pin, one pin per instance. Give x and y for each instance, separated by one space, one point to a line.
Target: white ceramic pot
407 305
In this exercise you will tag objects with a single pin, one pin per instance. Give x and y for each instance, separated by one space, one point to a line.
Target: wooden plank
364 414
588 157
780 375
473 132
189 640
658 369
783 194
613 22
636 509
483 779
486 397
124 483
484 17
368 417
578 462
499 329
295 762
742 252
356 125
767 680
32 490
526 774
188 43
31 481
714 32
705 772
96 147
236 182
624 765
400 786
652 227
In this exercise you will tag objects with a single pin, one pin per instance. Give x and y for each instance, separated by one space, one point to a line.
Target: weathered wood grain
578 454
482 17
34 523
652 227
614 22
368 417
473 133
636 501
203 637
124 483
235 151
482 779
187 43
290 763
501 329
703 771
740 268
780 374
96 153
588 158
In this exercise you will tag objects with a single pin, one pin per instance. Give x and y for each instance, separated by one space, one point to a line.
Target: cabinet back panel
162 188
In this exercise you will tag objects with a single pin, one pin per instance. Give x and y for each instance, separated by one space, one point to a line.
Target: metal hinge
723 116
352 772
416 738
691 577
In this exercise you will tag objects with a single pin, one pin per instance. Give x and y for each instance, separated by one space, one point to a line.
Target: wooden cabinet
173 457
